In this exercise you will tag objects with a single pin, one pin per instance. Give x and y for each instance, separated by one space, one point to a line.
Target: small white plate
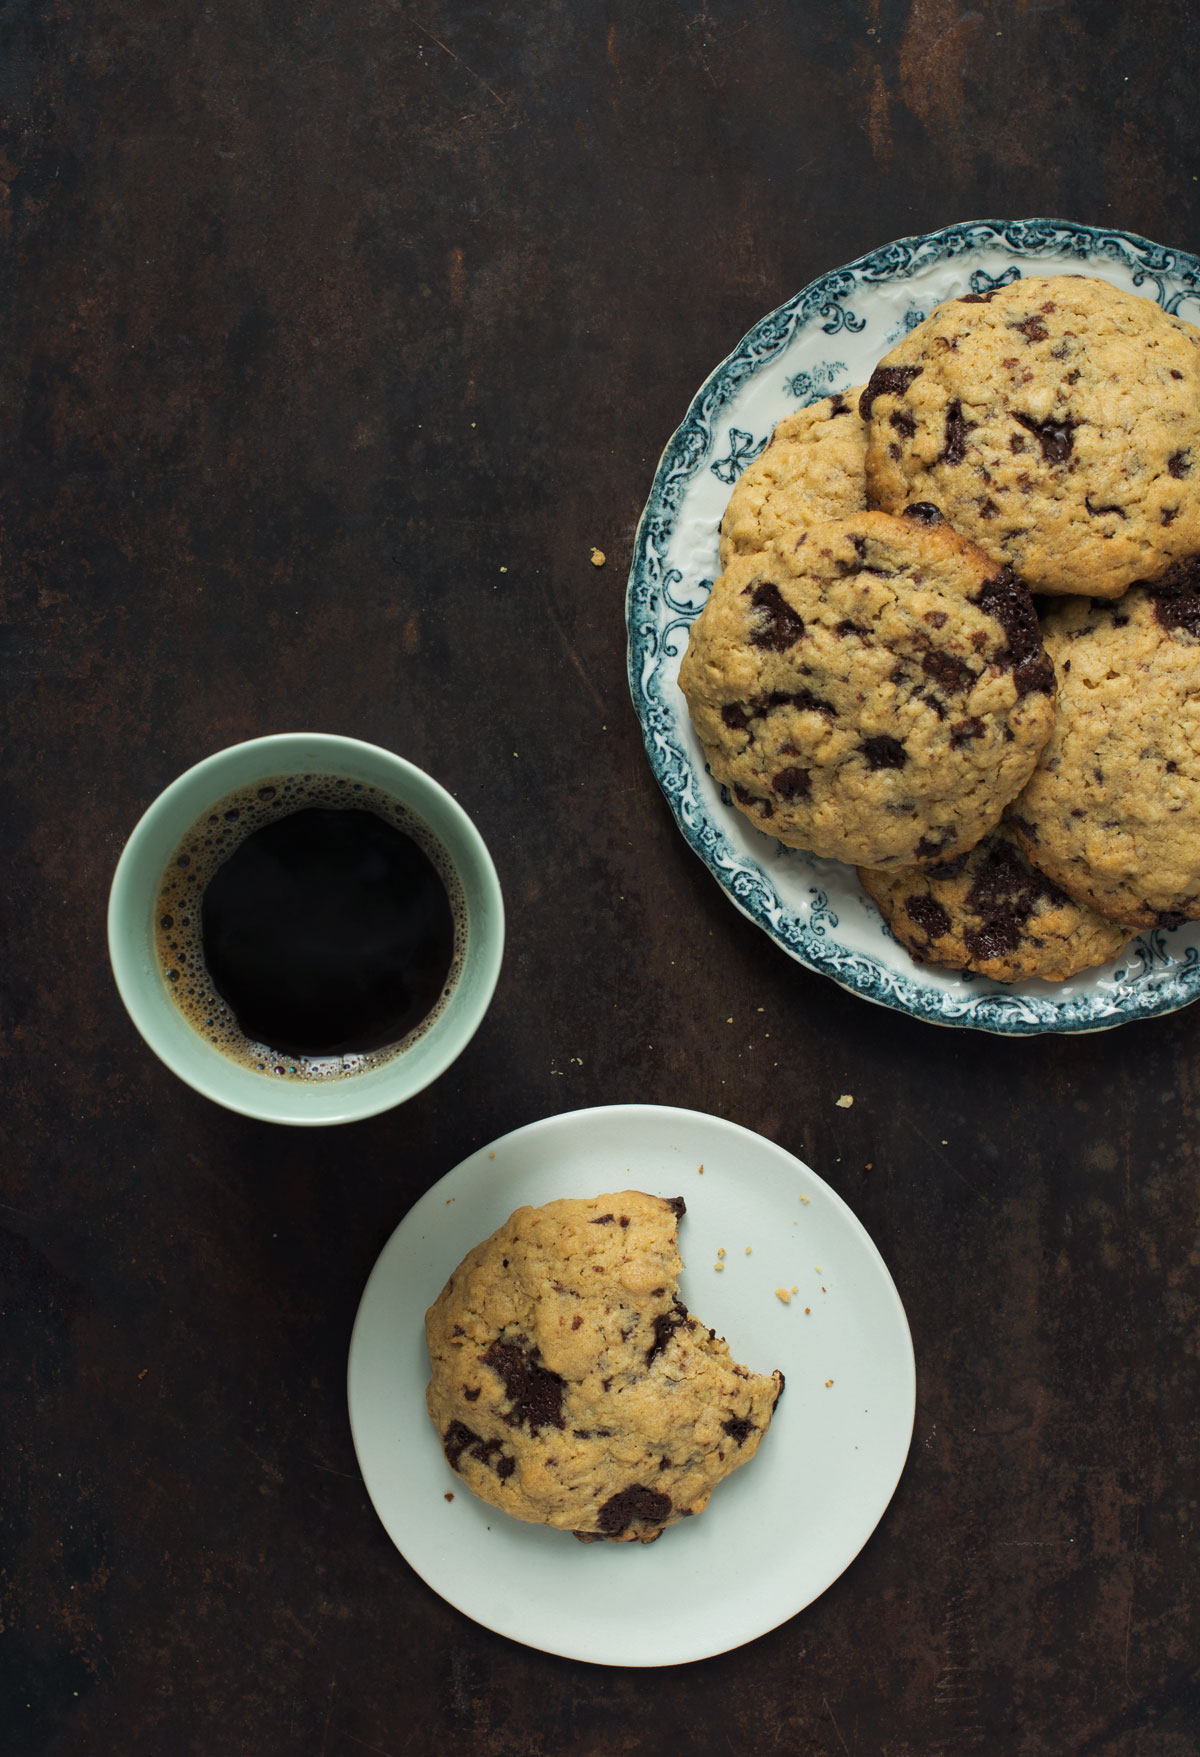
777 1532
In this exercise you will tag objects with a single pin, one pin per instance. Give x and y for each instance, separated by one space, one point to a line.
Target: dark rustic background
318 317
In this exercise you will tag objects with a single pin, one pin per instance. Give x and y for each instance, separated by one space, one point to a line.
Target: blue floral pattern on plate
811 907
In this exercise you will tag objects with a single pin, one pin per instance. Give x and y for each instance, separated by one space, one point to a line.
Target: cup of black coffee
306 928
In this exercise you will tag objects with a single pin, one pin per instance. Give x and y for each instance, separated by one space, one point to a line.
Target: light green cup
143 987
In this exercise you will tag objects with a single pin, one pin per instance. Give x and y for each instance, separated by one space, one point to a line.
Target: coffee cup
212 812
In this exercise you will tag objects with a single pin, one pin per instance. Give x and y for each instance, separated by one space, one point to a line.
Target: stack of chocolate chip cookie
1018 785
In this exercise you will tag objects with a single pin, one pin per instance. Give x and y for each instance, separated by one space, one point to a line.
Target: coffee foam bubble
177 915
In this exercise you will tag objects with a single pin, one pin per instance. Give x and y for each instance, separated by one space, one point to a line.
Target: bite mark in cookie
571 1386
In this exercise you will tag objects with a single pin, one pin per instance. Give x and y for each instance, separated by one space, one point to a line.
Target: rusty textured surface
316 318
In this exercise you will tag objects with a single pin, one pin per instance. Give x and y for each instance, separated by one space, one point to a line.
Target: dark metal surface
334 337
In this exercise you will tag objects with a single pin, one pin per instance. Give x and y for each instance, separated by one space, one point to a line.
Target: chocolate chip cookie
572 1388
993 913
1112 810
814 467
874 689
1056 422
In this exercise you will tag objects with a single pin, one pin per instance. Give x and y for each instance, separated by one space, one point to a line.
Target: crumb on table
781 1293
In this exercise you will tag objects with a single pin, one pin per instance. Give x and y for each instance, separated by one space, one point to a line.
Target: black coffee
310 926
328 933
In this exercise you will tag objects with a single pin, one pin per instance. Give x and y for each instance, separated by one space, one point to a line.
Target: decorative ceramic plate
777 1532
828 338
